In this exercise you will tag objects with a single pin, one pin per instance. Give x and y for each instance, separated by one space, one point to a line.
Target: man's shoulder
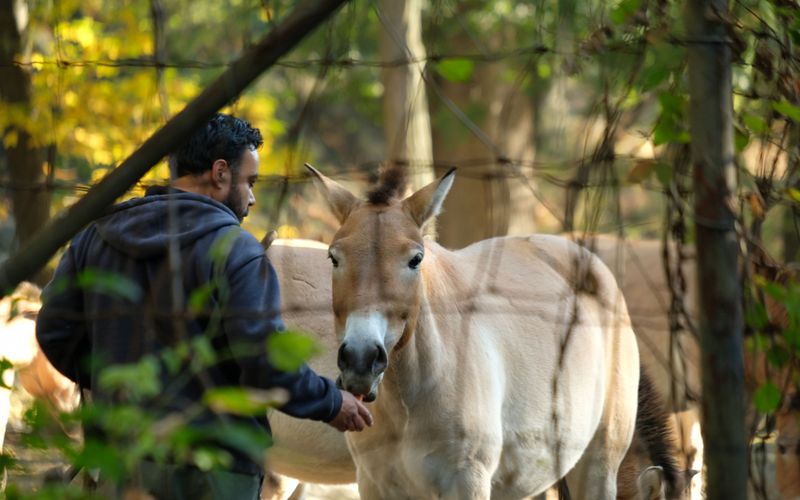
237 244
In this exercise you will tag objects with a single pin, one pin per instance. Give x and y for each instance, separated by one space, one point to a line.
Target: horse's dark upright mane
391 184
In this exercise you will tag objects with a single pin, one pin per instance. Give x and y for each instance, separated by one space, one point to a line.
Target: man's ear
220 173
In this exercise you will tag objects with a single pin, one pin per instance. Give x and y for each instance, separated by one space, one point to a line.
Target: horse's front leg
367 489
471 483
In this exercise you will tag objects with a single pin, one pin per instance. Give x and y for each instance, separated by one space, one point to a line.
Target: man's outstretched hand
353 416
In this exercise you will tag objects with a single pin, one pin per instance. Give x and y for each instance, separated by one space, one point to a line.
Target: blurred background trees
559 115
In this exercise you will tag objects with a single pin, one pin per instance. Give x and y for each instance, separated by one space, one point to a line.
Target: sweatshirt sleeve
60 328
252 316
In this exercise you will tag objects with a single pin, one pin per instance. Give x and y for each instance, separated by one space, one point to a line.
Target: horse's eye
415 261
333 260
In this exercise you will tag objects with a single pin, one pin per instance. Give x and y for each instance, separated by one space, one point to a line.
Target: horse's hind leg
595 474
594 477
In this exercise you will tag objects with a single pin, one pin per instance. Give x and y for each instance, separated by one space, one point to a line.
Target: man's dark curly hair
223 137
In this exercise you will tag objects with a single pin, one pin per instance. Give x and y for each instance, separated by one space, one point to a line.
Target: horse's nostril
345 357
379 362
362 361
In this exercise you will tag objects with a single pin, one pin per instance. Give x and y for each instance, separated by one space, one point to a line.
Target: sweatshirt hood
140 227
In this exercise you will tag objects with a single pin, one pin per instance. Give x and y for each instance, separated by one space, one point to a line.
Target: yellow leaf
98 174
287 231
11 138
794 194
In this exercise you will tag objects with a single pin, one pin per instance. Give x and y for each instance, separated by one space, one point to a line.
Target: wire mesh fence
558 119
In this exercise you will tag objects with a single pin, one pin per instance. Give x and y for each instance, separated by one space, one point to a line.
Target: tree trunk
28 189
721 326
406 119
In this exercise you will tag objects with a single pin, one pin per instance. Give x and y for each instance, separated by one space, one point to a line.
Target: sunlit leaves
95 94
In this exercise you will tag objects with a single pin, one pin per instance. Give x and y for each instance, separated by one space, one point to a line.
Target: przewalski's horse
314 453
501 367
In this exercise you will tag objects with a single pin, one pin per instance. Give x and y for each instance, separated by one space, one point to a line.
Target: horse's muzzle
370 393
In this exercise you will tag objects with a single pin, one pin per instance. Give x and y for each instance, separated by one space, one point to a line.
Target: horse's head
377 257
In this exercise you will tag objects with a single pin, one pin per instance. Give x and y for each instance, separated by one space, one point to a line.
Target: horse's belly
309 451
523 472
437 465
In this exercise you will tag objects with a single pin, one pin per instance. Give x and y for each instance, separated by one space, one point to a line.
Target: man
175 269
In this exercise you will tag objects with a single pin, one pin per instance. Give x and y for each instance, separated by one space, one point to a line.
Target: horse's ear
651 482
340 200
427 202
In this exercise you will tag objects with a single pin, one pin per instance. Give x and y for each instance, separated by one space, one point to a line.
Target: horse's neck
421 366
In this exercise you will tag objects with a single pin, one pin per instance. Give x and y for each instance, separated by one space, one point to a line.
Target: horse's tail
656 435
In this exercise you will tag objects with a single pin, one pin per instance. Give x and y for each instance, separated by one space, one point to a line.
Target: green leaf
5 365
775 290
767 398
200 297
664 173
671 104
667 131
777 356
7 462
244 402
203 352
794 194
219 250
623 10
135 380
244 438
289 350
207 459
756 316
98 455
544 70
456 69
787 109
109 283
757 342
741 139
653 75
756 123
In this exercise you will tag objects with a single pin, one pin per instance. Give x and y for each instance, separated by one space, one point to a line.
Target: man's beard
236 202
